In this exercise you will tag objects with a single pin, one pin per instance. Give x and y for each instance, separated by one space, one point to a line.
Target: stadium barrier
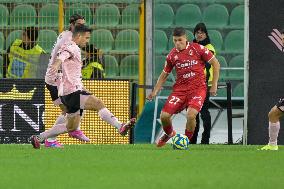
157 109
26 109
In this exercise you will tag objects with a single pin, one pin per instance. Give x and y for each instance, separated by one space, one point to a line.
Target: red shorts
179 100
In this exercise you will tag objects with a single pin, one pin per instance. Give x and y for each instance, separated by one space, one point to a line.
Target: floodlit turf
140 167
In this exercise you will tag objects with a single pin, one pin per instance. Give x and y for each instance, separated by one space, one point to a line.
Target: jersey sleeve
64 53
205 53
211 48
168 64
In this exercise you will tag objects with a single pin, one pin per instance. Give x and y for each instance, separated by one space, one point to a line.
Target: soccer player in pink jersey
72 92
189 90
274 116
51 79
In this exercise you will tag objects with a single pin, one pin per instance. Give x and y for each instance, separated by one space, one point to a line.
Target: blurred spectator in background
201 37
23 56
93 64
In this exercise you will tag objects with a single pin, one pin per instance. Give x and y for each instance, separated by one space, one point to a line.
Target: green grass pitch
140 167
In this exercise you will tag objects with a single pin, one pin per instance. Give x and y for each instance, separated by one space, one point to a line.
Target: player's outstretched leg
78 134
52 141
164 139
35 141
269 147
125 127
273 135
274 126
168 129
56 130
52 144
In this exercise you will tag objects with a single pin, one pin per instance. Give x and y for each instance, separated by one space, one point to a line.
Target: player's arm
163 77
216 69
54 67
61 57
161 80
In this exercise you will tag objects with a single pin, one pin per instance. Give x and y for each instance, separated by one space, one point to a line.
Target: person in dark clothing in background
201 37
93 64
23 55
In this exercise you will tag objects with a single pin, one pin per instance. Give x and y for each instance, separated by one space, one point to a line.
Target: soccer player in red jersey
189 90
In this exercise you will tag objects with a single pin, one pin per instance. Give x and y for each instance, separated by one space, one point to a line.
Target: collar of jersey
188 43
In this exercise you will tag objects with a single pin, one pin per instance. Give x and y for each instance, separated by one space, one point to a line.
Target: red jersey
189 64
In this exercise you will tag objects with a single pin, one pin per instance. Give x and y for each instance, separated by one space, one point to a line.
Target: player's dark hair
179 31
81 29
75 17
93 51
200 27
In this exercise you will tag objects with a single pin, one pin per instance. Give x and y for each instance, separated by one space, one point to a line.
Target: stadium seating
222 60
127 41
223 75
4 16
185 1
48 16
234 42
102 39
161 42
107 16
22 16
81 9
130 16
163 15
129 67
102 1
111 66
223 64
164 91
216 39
2 42
16 34
237 17
190 37
236 62
222 92
30 1
1 67
158 66
188 15
216 16
238 90
230 1
46 39
203 1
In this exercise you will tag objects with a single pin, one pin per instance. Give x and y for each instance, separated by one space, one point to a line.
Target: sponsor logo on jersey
276 37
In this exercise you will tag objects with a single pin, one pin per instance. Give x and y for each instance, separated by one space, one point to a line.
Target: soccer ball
180 142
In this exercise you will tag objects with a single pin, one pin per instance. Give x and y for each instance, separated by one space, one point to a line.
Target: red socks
168 129
189 134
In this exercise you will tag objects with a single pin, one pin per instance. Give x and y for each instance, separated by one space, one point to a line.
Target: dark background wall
266 67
